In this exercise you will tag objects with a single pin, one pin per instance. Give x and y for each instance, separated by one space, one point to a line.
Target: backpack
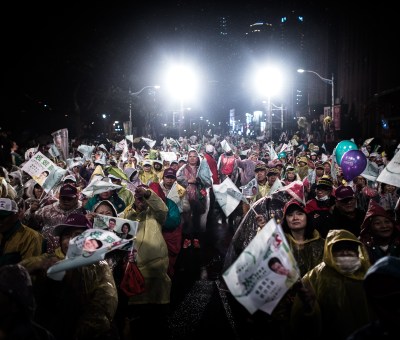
174 216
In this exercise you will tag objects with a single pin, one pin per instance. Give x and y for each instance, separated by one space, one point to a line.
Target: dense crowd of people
336 228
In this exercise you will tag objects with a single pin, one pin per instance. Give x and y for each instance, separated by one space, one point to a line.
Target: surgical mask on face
347 264
323 198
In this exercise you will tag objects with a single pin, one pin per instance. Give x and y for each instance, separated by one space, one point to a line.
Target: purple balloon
353 164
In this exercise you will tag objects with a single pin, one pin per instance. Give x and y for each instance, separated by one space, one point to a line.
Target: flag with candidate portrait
252 279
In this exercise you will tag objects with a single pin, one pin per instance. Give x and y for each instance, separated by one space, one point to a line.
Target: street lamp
325 80
268 81
130 101
182 82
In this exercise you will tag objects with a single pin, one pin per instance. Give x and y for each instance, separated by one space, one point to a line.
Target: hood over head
337 235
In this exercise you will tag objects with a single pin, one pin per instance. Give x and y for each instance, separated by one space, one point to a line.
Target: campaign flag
251 278
272 152
86 151
371 171
149 142
99 186
103 222
60 139
123 147
277 185
284 147
53 151
391 172
43 171
245 152
250 190
225 146
168 156
80 254
173 193
204 173
224 196
369 140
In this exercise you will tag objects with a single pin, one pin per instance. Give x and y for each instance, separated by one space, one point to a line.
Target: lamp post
130 101
268 81
327 81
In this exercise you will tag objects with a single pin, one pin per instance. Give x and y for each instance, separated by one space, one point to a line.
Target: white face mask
323 198
347 264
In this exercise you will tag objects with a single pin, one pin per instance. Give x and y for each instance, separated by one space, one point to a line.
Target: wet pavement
201 305
199 298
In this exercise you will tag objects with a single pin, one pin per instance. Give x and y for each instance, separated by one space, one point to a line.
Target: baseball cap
147 162
169 172
260 166
273 172
290 168
68 190
343 192
325 182
292 205
72 221
319 165
7 206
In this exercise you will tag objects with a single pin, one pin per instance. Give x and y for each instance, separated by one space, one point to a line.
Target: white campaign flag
173 194
122 146
277 185
225 146
86 151
102 222
168 156
250 190
99 186
78 255
227 200
44 171
371 171
245 152
272 153
61 141
251 278
149 142
391 172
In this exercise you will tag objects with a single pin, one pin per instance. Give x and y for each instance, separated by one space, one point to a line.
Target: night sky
63 53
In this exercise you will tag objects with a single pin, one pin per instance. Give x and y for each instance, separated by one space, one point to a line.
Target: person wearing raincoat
148 311
331 304
83 304
196 178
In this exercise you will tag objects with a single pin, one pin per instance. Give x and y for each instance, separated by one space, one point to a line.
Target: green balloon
342 148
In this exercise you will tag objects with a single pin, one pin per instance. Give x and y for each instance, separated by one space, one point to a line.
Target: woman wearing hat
379 233
307 247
